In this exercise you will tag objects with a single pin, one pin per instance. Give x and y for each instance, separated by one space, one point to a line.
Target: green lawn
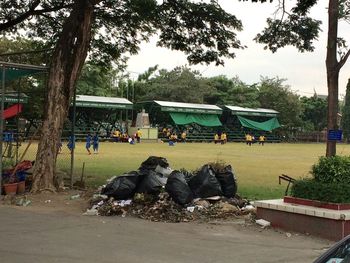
257 167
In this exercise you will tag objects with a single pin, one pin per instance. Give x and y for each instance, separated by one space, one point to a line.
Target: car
338 253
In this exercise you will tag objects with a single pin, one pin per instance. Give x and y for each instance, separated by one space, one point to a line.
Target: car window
341 254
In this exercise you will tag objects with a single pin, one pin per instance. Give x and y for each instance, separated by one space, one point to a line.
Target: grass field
257 167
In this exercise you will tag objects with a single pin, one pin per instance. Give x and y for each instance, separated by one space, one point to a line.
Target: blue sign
335 135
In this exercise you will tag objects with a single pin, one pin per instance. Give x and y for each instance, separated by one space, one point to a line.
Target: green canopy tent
88 110
10 72
268 125
187 113
98 108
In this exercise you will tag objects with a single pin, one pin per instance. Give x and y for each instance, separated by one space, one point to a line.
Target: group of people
250 139
94 141
91 140
173 136
119 136
220 138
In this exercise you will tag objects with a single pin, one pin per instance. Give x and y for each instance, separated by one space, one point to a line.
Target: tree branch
343 60
21 18
31 12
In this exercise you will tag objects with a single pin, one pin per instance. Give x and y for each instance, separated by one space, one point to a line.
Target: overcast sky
305 72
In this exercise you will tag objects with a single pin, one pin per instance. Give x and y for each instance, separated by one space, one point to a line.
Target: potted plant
9 180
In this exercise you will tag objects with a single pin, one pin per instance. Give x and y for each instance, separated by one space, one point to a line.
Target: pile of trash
156 192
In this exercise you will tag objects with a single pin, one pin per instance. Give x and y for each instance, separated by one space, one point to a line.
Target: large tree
314 112
107 29
274 94
232 92
292 24
180 84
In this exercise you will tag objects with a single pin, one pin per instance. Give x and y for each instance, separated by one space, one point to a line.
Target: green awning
268 125
241 111
183 107
201 119
13 73
15 98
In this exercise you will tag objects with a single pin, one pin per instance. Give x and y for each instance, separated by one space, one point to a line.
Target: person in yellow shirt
116 135
223 138
138 135
216 138
248 139
183 136
262 140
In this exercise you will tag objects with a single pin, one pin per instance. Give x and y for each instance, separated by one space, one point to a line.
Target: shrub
326 192
334 169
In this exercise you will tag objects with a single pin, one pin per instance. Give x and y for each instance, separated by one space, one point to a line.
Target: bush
326 192
334 169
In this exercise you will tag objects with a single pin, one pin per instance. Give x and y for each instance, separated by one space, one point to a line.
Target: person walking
249 139
88 143
71 143
95 143
262 140
223 138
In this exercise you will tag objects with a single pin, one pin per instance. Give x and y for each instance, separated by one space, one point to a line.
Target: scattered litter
73 197
201 203
91 212
249 208
226 207
120 203
23 201
27 202
190 209
263 223
102 197
47 201
213 198
288 234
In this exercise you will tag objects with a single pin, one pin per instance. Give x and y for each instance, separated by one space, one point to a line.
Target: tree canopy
203 31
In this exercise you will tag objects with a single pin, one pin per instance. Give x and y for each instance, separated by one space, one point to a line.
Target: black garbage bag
204 183
122 187
151 183
227 180
188 175
178 188
152 162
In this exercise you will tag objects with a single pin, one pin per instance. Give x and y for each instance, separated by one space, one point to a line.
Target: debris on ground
21 200
73 197
263 223
163 208
155 192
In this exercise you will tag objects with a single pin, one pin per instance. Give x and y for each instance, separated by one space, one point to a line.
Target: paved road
33 237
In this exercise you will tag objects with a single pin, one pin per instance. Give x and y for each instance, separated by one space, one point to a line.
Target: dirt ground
53 202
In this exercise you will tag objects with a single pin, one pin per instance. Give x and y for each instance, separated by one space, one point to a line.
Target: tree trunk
67 61
333 69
